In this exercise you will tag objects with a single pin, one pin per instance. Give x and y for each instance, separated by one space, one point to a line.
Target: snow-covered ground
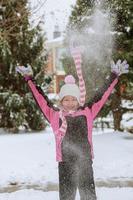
102 194
27 163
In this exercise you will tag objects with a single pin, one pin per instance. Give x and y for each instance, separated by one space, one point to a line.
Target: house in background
56 49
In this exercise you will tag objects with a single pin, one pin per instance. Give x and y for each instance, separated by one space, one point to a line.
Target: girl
72 126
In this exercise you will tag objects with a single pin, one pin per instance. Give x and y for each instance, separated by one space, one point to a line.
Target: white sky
55 11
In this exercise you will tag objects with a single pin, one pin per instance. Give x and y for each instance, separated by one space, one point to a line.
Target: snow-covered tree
19 43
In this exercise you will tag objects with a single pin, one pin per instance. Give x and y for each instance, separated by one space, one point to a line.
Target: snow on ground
102 194
29 159
113 155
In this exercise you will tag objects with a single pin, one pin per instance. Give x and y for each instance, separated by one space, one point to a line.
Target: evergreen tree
19 43
81 9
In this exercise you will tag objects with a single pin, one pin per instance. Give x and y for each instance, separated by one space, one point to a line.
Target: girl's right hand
25 71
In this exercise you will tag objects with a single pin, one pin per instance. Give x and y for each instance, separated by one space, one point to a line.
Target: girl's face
70 103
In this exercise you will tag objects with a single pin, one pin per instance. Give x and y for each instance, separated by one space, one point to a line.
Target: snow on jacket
89 111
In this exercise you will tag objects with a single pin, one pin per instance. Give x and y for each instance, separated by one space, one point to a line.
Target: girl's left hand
120 67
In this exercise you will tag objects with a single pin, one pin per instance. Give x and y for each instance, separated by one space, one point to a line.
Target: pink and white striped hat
70 88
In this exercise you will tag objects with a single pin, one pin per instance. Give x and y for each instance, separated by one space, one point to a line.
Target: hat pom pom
69 79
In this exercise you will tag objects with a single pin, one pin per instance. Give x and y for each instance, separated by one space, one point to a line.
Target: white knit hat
69 88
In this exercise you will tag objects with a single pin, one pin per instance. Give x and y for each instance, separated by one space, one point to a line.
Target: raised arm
102 95
41 99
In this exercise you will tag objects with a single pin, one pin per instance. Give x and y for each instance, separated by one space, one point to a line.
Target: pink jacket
52 115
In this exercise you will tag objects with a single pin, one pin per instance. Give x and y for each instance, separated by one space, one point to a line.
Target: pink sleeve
46 109
96 107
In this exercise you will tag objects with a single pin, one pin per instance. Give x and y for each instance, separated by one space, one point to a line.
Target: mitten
25 71
120 67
